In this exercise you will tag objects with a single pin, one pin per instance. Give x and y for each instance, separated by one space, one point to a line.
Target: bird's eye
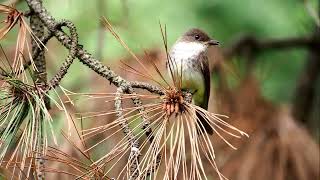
197 37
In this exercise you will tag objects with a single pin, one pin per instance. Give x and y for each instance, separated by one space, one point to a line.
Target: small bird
188 57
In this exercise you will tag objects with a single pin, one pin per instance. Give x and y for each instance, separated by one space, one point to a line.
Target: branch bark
134 143
85 57
40 81
125 86
102 70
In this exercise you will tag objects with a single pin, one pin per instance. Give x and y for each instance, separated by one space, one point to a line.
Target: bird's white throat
185 50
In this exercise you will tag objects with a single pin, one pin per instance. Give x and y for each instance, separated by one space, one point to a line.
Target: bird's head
195 35
193 42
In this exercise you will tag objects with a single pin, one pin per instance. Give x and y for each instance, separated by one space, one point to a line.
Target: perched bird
188 59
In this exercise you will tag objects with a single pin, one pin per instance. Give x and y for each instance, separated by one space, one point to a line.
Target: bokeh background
257 88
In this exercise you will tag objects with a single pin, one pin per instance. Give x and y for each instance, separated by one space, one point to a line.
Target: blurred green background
138 24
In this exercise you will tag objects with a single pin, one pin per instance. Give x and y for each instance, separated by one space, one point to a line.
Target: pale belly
184 59
192 80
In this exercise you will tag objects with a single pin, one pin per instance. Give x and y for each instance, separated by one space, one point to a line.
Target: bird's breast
188 69
185 62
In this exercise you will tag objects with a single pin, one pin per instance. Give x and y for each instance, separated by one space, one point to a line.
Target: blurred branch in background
10 2
313 12
275 123
306 90
125 9
277 134
249 42
250 47
101 7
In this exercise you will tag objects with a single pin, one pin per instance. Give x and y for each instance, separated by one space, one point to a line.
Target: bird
188 57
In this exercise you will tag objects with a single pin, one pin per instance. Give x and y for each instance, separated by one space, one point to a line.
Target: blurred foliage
138 24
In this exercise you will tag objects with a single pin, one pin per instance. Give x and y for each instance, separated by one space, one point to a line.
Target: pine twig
102 70
133 160
69 60
40 80
85 57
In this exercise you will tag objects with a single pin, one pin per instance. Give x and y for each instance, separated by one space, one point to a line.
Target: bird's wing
204 65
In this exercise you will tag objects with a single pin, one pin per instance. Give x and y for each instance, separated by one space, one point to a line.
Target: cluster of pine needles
25 121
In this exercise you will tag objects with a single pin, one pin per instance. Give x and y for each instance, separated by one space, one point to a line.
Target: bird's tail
204 125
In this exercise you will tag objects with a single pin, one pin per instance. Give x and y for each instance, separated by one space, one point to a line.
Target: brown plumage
189 54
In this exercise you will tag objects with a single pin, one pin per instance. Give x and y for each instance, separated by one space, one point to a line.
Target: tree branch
85 57
81 54
40 80
269 44
104 71
306 87
147 86
134 144
69 60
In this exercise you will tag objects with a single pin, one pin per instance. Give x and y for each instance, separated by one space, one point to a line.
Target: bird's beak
213 42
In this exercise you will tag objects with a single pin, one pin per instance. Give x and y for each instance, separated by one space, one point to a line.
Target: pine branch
40 80
39 60
69 60
102 70
134 144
